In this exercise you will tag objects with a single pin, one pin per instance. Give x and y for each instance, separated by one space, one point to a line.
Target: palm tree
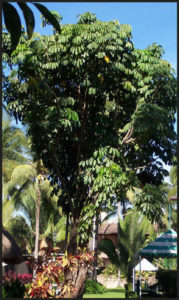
14 148
171 190
13 21
132 237
30 191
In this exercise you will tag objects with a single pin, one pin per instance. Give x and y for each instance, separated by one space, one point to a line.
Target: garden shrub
165 263
94 287
14 285
129 291
167 279
110 270
128 287
50 280
131 294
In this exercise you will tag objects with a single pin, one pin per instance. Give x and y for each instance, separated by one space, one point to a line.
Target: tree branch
128 135
63 181
82 128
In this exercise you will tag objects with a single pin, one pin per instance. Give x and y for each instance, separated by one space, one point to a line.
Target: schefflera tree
100 112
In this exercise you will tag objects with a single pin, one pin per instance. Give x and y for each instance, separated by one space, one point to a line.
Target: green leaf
13 23
47 15
29 18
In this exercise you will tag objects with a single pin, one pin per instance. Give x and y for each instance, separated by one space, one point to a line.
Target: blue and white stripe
164 246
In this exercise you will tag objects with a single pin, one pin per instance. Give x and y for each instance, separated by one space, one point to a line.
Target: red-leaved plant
50 279
14 284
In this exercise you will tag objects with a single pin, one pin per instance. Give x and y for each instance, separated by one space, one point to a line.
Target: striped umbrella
164 246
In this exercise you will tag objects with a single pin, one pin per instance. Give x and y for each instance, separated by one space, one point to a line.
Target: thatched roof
11 253
111 228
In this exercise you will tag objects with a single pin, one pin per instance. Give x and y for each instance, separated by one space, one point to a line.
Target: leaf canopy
100 112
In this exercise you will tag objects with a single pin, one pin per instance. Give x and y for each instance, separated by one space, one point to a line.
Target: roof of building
108 229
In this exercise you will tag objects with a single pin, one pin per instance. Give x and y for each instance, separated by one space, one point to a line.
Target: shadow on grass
116 290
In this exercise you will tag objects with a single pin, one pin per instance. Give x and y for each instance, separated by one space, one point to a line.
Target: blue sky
151 22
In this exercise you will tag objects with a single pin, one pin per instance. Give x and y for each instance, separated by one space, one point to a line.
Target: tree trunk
76 278
66 232
73 245
37 221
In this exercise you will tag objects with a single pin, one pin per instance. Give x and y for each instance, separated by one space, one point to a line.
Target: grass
111 293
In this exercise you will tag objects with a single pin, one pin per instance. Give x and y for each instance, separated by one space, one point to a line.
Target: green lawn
112 293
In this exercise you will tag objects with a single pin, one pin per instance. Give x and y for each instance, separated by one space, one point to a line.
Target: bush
167 279
110 270
131 294
165 263
14 284
128 287
129 291
51 279
94 287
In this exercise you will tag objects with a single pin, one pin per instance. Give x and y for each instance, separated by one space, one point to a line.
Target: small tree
30 191
132 238
100 112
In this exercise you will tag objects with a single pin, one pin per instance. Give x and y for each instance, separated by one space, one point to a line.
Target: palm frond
108 248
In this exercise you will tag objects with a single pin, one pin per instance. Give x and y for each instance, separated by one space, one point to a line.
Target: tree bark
76 278
66 232
73 245
37 222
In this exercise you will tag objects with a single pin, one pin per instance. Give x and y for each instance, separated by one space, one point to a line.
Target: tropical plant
94 287
132 237
100 112
14 284
14 147
110 270
7 213
13 23
48 284
151 201
165 263
165 191
30 191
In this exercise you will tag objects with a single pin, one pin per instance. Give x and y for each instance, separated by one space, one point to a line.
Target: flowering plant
14 284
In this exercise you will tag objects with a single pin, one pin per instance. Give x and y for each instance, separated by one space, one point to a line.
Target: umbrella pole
134 276
140 289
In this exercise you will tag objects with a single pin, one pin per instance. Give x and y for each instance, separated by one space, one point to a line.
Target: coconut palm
30 192
173 181
14 148
133 231
171 190
7 213
22 233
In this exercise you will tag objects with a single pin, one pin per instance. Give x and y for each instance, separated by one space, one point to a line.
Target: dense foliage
133 232
94 287
167 280
50 280
14 285
13 22
100 112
